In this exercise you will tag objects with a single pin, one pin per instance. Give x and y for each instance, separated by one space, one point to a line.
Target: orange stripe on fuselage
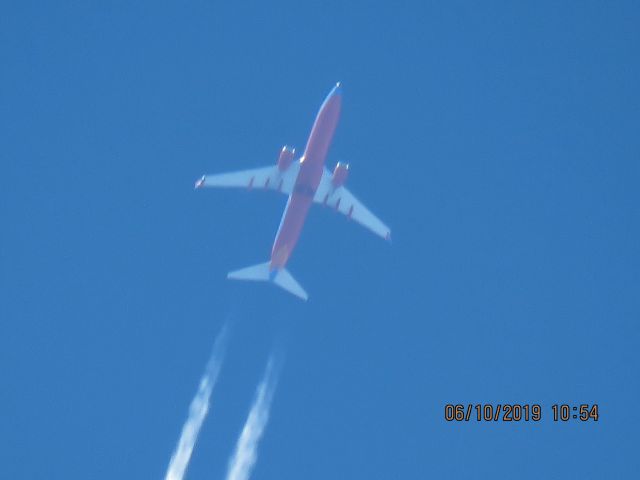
311 166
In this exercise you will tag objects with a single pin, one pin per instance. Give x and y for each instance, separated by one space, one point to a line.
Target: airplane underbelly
290 229
309 177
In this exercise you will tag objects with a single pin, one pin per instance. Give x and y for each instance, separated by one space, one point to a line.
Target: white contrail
197 411
243 459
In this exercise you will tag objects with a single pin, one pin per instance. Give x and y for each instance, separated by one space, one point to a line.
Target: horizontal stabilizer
259 273
285 280
262 273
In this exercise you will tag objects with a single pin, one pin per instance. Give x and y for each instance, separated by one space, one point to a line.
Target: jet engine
340 174
286 158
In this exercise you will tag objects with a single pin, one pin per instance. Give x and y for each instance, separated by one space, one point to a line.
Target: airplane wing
267 178
343 201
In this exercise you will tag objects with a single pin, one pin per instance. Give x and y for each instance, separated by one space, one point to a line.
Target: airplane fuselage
311 168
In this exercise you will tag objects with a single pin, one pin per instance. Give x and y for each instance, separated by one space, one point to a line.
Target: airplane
305 181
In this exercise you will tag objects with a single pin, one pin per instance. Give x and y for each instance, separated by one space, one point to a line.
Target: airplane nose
334 97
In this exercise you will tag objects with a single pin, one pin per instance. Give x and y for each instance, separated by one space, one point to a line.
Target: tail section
284 280
259 273
262 273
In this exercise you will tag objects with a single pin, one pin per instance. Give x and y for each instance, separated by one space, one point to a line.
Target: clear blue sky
499 140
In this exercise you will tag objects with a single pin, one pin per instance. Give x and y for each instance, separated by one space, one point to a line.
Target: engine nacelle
340 174
286 158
